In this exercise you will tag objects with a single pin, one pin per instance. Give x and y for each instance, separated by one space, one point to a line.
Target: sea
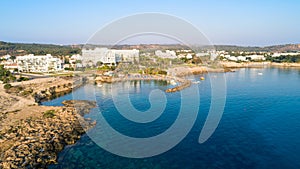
259 126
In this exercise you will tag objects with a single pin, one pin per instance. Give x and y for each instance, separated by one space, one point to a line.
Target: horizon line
219 44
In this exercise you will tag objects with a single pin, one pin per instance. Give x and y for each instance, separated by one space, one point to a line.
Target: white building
201 54
242 58
232 58
257 57
285 54
76 57
40 63
128 55
6 57
212 54
189 56
168 54
75 61
109 56
227 56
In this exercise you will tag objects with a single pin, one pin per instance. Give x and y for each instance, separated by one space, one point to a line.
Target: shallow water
259 128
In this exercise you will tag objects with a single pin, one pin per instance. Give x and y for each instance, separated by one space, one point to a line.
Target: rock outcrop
34 142
56 91
183 84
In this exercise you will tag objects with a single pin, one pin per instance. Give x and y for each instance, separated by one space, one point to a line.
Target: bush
70 69
7 86
26 92
22 79
49 114
20 88
5 80
162 72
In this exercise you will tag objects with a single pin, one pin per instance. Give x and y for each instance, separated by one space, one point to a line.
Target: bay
259 127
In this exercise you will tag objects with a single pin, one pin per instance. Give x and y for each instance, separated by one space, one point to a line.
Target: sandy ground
183 70
257 64
42 83
244 64
286 64
14 108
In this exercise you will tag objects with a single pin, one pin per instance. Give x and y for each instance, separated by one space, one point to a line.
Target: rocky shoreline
34 142
183 83
57 90
32 135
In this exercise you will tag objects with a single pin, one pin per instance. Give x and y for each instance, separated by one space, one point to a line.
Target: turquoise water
259 127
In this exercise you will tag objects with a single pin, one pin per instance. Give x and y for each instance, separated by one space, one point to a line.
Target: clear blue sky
240 22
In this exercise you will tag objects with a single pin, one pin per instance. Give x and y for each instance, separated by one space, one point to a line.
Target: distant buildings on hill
244 58
49 63
108 56
168 54
100 56
188 54
248 56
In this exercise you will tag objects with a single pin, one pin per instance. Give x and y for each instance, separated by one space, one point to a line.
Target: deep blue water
260 126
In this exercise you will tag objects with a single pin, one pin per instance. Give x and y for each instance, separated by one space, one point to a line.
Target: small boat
99 85
196 82
202 78
173 82
260 74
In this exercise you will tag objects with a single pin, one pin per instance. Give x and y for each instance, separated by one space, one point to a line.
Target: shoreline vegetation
31 135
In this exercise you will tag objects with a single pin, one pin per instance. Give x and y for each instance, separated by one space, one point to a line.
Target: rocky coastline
57 90
183 83
32 135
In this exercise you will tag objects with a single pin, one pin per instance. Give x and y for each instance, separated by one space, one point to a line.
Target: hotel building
39 63
109 56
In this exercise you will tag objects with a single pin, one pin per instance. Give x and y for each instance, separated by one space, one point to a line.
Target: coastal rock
82 106
183 84
57 90
35 142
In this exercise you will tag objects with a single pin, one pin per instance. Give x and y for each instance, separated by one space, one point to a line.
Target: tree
13 57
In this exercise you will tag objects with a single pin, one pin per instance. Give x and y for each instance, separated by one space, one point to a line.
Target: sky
230 22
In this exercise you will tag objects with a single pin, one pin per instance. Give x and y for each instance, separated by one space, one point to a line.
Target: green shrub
26 92
20 88
49 114
5 80
70 69
22 79
162 72
7 86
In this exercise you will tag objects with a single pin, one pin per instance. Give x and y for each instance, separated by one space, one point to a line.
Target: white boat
173 82
196 82
99 85
260 73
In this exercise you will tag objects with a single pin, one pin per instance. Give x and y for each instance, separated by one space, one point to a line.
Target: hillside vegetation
17 49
